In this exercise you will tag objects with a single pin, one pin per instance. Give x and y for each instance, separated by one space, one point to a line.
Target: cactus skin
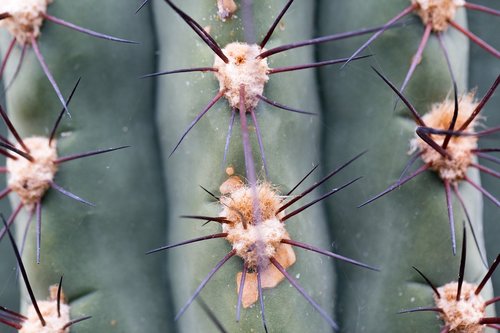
9 295
291 144
99 250
409 226
481 73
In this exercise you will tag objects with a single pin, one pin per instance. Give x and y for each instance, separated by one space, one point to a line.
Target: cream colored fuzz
30 180
255 241
437 12
26 18
270 276
461 316
226 8
244 68
54 323
459 148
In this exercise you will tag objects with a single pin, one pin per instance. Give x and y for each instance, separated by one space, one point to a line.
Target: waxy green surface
291 144
99 250
408 227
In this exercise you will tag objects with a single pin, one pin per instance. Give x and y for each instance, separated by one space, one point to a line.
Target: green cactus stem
100 250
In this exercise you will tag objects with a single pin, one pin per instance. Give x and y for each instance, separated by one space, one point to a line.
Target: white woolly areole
26 18
260 240
459 148
245 241
54 323
462 316
438 12
244 68
30 180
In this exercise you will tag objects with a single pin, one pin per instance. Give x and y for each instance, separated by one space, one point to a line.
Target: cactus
218 155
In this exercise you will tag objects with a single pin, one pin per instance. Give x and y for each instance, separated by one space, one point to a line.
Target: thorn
259 140
454 118
38 208
481 43
492 301
206 218
423 133
382 29
483 191
415 114
275 24
261 297
240 292
198 117
200 32
319 40
194 240
294 283
429 283
85 30
284 107
59 288
228 137
69 194
328 253
486 170
481 104
324 196
211 315
23 271
464 208
12 129
8 52
451 220
480 8
75 321
420 309
87 154
204 282
488 275
58 120
318 183
17 151
302 180
184 70
417 58
142 5
313 65
11 219
489 320
47 72
210 193
462 265
397 184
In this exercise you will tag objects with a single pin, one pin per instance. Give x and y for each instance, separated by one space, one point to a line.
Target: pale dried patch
437 12
25 18
260 240
30 180
226 8
54 323
270 276
461 316
459 148
244 68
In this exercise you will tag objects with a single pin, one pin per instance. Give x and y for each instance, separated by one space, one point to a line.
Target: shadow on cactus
23 19
446 142
245 65
437 16
48 316
32 164
253 222
459 304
